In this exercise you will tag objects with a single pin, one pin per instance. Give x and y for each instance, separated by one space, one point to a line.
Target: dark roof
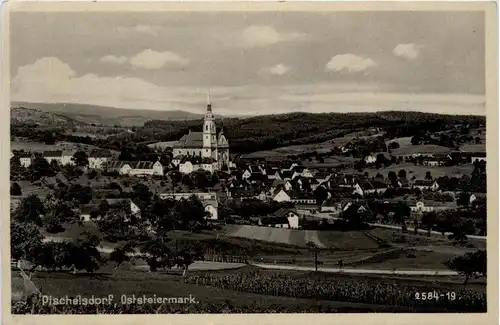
254 169
99 153
299 169
421 182
192 140
341 192
286 174
179 157
303 196
52 153
116 164
373 184
283 212
142 164
278 182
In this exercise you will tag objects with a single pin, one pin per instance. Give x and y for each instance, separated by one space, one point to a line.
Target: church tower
209 133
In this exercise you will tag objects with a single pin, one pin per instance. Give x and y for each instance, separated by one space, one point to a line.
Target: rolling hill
107 115
34 116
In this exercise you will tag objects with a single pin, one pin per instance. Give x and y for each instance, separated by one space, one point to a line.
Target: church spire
209 102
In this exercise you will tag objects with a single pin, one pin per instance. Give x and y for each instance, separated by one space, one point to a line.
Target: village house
135 168
93 209
279 184
425 206
283 218
286 175
62 157
177 160
322 177
190 165
302 198
370 187
426 185
208 199
282 196
307 184
370 159
331 205
287 166
478 156
273 174
25 159
97 159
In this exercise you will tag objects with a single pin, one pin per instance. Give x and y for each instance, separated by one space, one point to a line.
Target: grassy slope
162 285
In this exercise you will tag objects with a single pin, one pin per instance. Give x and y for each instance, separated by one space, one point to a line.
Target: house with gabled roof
282 196
62 157
431 185
283 218
135 168
370 187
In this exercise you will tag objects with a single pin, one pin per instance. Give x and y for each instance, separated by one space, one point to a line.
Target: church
211 148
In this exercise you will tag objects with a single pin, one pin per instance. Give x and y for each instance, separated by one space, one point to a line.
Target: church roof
195 140
190 140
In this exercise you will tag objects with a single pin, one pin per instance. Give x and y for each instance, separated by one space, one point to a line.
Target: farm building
62 157
98 159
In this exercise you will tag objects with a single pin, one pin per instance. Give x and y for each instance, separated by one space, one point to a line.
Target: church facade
212 148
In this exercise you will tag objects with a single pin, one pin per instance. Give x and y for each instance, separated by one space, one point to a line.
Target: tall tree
469 265
25 240
15 189
29 210
80 158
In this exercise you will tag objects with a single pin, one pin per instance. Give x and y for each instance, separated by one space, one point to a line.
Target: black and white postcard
259 163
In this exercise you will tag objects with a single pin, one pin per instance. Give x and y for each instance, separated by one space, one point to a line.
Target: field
419 171
403 142
39 147
245 287
473 148
283 236
322 147
423 149
162 145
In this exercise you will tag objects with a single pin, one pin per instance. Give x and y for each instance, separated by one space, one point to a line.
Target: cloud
152 60
277 70
349 62
112 59
50 80
407 51
143 29
260 36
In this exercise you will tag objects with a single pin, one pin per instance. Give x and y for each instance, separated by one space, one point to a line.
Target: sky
252 62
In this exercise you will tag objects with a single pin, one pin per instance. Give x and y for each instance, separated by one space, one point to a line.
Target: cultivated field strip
312 236
278 235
